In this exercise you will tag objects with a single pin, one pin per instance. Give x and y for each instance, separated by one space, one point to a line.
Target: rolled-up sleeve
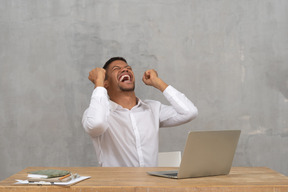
94 119
181 110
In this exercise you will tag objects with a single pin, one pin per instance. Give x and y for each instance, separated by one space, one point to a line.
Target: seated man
125 129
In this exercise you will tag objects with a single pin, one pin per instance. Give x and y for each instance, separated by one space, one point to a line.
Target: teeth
124 76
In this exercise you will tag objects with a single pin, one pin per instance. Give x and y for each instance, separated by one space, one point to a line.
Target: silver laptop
207 153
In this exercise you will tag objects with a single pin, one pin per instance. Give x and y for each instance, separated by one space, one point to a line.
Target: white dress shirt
129 138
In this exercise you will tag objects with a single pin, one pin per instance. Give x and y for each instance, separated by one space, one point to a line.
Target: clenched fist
97 76
151 78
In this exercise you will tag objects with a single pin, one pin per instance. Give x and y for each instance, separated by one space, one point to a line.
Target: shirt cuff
169 91
99 91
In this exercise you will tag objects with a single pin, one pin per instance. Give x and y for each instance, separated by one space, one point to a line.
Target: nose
124 70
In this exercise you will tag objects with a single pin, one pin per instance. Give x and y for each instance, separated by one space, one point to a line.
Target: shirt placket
138 140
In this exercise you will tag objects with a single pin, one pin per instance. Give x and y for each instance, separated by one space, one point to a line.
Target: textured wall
229 57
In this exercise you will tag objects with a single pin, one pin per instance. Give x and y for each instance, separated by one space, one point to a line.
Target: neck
127 99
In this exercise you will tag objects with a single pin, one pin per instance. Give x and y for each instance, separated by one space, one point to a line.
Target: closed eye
129 68
116 68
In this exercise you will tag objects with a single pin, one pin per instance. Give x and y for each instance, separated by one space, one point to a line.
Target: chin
127 89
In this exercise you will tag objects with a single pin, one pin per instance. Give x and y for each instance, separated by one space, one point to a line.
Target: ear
106 84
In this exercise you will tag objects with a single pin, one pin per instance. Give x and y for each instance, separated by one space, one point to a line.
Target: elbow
94 128
192 113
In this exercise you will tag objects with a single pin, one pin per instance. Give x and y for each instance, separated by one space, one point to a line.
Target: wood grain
104 179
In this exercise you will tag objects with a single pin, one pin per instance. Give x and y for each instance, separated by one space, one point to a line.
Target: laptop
206 153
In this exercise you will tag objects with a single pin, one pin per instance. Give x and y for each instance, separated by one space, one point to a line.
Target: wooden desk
257 179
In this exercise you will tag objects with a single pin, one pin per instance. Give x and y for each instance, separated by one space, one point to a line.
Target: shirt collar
114 106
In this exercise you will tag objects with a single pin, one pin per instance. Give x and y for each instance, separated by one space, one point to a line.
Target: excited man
125 129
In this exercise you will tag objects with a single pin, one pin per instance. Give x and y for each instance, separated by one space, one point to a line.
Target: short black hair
113 59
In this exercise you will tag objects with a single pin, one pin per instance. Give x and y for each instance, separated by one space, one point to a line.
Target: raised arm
181 110
94 119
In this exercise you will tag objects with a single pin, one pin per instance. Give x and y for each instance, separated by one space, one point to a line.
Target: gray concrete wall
229 57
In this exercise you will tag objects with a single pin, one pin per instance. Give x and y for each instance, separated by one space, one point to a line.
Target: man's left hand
151 78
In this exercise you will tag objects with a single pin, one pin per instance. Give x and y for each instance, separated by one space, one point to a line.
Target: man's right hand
97 76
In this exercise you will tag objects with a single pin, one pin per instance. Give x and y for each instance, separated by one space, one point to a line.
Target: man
125 129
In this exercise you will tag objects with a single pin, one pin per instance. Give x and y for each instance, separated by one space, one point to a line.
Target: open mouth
124 78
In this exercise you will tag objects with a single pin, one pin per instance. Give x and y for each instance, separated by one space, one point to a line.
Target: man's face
120 75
